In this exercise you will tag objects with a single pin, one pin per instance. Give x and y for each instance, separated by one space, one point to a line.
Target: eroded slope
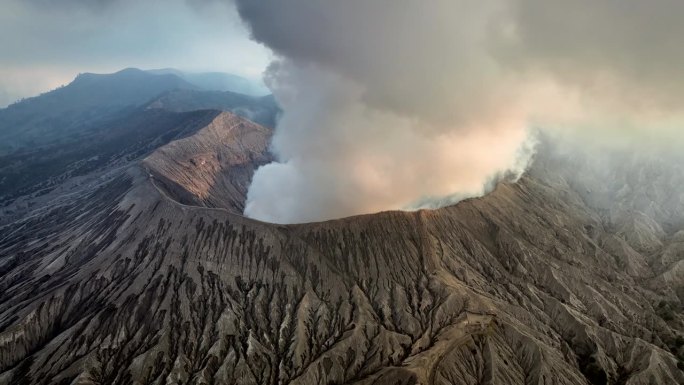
531 284
214 166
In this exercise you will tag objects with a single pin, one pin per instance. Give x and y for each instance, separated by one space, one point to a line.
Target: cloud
626 51
387 102
71 4
60 39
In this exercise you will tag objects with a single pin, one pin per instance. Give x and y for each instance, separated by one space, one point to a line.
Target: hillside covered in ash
129 262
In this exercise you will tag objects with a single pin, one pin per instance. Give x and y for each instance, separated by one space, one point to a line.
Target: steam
419 104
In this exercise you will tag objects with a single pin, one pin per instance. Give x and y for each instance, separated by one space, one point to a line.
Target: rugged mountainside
91 122
93 100
142 271
37 171
213 167
82 105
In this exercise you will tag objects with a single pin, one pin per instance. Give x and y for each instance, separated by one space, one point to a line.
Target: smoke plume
391 105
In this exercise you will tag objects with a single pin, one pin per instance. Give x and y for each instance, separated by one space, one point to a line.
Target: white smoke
391 105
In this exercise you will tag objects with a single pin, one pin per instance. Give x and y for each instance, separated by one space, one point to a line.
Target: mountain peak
212 167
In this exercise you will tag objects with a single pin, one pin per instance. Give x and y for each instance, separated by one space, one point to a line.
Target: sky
46 43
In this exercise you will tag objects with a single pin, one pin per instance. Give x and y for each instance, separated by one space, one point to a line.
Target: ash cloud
387 103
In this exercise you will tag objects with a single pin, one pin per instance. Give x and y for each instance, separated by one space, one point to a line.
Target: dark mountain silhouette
70 110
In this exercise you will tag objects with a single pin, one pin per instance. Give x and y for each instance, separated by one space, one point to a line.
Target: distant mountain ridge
88 100
94 98
218 81
44 137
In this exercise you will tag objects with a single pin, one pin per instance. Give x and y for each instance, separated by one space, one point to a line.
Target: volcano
129 262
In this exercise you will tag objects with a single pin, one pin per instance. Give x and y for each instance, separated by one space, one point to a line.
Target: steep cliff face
214 166
146 275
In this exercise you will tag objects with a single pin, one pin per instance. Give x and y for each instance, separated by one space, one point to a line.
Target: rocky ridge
214 166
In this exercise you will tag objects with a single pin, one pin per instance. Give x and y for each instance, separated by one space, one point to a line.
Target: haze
46 43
